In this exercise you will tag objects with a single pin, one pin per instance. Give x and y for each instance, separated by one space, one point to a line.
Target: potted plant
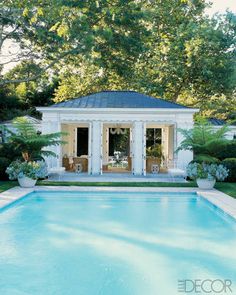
206 174
32 146
27 173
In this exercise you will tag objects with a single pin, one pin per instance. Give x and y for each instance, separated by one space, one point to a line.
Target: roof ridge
119 99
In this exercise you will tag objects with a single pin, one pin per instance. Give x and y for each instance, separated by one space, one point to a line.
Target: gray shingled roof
117 99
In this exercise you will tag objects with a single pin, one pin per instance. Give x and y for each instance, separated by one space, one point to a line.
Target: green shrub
8 150
225 150
230 164
4 163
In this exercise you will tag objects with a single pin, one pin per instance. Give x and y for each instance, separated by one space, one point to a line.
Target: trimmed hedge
230 163
225 151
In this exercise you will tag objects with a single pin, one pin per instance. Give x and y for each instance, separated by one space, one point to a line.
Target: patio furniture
78 168
111 161
152 161
105 166
71 166
71 162
176 173
176 170
68 163
57 171
83 161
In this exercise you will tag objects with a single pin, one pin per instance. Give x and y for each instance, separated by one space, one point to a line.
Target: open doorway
118 150
76 150
154 150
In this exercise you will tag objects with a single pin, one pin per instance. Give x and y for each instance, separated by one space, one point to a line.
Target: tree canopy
167 49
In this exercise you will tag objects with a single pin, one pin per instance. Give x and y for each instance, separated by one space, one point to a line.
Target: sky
217 6
221 6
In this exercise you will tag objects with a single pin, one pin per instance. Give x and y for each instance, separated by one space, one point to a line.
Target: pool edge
215 197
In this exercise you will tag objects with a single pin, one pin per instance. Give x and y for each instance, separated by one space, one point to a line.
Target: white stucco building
89 122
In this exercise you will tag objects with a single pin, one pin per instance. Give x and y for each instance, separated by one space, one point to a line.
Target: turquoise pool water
71 243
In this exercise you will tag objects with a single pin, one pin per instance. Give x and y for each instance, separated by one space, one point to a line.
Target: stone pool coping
217 198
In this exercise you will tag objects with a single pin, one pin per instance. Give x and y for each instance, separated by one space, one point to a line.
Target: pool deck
117 177
217 198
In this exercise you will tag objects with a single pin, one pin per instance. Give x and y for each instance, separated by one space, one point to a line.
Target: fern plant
203 140
31 143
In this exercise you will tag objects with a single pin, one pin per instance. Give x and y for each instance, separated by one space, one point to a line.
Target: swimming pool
67 243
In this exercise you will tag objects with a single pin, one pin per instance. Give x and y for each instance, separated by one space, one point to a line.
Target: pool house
112 131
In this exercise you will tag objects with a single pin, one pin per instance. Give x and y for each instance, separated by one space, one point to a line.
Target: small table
155 168
78 168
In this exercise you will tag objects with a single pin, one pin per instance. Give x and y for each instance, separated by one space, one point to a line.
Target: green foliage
203 139
162 48
206 171
8 101
225 150
33 170
119 142
58 30
30 143
8 154
4 162
155 151
25 96
230 164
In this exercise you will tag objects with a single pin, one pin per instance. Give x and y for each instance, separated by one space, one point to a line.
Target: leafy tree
30 143
53 31
8 102
162 48
23 97
188 59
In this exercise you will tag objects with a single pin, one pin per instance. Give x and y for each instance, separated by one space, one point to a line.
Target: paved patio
115 177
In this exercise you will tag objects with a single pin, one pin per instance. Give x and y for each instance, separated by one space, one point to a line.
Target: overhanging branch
35 77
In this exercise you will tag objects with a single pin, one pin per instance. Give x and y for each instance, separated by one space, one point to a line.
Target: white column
131 142
96 148
52 127
164 141
90 149
105 141
171 139
144 142
138 148
183 157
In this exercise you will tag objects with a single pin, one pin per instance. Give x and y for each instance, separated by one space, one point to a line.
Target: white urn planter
206 184
26 181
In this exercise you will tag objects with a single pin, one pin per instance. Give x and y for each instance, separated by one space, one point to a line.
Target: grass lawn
119 184
226 187
5 185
